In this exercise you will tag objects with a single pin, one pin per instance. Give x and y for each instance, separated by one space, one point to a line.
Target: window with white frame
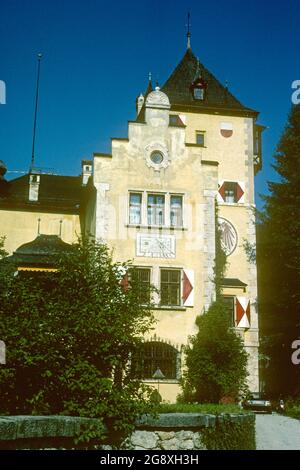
176 211
135 208
156 209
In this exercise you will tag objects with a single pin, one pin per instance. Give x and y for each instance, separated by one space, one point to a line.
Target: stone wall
172 431
165 440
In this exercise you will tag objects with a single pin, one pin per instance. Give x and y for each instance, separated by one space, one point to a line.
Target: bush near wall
231 435
292 409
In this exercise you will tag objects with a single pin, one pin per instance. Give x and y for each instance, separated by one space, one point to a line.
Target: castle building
192 142
152 200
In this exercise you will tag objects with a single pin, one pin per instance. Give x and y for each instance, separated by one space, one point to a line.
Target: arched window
153 355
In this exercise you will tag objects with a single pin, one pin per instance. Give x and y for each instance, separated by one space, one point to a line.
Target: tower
192 143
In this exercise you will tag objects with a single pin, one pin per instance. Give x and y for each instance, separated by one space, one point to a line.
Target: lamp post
158 375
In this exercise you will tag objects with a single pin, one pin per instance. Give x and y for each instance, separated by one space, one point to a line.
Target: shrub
216 361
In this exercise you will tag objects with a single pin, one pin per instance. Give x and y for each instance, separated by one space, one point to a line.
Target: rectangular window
176 211
141 277
200 138
230 192
229 305
156 209
170 280
173 120
135 208
198 93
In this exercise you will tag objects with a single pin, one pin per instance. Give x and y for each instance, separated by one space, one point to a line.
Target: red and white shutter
242 312
188 287
221 192
240 192
125 282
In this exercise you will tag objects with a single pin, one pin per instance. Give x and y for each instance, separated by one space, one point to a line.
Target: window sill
160 381
235 204
195 145
155 227
171 308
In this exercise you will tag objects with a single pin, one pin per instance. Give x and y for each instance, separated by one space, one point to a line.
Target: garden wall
169 431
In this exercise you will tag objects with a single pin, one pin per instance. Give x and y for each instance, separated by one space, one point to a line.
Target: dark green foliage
210 408
228 435
278 256
292 408
69 336
3 253
216 360
220 259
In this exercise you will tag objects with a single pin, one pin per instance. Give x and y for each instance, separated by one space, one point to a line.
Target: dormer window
198 93
198 88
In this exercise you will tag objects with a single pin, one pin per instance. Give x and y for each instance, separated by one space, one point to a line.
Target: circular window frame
154 154
156 147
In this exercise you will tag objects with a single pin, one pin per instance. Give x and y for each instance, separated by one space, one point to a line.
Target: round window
156 157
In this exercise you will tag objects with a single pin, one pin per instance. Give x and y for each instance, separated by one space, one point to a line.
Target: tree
216 361
69 336
278 253
3 253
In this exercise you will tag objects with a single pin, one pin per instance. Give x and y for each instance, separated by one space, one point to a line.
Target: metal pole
39 56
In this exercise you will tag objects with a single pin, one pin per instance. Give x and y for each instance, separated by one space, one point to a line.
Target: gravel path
276 432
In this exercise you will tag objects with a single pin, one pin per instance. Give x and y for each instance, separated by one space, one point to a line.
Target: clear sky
96 59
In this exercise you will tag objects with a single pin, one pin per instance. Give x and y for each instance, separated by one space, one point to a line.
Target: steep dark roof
148 89
177 87
232 282
56 193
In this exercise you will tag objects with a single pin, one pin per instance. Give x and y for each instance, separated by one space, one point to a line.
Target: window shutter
242 312
221 193
240 192
188 288
125 282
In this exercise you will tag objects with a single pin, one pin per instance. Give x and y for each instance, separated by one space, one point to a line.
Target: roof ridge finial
188 45
150 76
198 70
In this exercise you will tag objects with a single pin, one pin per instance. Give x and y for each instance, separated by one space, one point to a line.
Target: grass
210 408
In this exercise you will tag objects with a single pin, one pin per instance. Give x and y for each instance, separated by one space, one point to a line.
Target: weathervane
188 31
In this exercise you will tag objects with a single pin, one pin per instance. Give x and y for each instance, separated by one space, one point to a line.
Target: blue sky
97 56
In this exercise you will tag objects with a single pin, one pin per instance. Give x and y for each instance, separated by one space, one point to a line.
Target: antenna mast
188 46
39 56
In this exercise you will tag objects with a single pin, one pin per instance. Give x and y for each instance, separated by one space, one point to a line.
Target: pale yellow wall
229 152
168 391
22 226
127 171
186 174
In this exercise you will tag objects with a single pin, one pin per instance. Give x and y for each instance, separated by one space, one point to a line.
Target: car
259 403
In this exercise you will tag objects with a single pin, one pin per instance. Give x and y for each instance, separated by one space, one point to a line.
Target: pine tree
279 262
